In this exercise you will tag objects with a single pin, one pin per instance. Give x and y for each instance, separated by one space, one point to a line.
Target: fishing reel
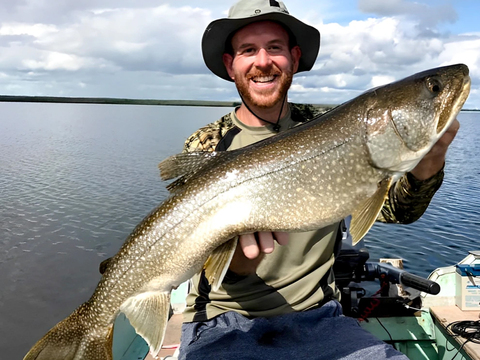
398 294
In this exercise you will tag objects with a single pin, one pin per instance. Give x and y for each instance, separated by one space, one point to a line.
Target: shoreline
122 101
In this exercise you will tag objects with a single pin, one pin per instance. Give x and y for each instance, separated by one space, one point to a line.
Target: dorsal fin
184 163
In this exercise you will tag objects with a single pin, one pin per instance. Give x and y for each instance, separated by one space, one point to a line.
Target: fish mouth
442 125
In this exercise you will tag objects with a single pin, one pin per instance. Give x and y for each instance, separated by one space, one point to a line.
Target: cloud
464 49
34 30
367 53
104 44
133 39
151 49
428 16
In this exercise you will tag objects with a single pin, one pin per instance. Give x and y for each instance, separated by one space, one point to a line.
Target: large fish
317 173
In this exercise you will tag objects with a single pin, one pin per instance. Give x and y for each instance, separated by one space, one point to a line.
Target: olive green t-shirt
293 277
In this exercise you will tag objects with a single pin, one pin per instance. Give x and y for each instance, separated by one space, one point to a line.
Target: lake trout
341 163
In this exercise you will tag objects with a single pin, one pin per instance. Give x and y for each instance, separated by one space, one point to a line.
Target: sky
145 49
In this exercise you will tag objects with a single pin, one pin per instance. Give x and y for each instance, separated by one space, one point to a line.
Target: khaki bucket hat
245 12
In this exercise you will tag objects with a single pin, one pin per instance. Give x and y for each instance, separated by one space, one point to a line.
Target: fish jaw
406 118
456 103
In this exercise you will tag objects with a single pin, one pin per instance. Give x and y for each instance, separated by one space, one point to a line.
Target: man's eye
274 49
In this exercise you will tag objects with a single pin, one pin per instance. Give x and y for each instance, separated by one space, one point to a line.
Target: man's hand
433 162
252 248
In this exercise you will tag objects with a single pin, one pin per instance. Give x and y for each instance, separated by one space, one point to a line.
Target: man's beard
269 97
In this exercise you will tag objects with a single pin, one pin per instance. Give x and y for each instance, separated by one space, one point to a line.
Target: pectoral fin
148 314
218 262
364 217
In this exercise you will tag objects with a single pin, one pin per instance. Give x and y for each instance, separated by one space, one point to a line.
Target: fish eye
434 85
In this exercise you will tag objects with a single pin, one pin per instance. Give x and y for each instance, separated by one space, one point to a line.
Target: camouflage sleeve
306 112
409 198
207 137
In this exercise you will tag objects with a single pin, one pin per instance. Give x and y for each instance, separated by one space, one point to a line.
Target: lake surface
76 179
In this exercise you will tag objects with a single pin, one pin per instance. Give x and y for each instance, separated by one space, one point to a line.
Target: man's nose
263 59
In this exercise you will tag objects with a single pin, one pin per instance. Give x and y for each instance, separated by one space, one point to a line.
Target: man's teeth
264 79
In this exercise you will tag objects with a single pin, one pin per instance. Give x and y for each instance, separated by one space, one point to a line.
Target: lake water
76 179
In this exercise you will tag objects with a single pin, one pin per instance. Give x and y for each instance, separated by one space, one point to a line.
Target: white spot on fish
231 175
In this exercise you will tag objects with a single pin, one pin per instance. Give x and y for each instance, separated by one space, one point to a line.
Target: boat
426 319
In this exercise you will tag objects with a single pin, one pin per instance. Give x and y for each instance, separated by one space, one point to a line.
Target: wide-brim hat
245 12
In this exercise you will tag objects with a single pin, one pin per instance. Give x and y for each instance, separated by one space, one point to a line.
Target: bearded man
280 302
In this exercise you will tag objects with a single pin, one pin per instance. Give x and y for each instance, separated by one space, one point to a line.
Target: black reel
351 268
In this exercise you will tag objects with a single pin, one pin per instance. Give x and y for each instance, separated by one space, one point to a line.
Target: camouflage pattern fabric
409 198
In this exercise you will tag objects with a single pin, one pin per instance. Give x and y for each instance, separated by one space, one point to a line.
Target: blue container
468 269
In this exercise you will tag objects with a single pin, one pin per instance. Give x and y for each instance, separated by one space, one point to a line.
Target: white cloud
35 30
381 80
154 38
151 49
60 61
376 51
428 15
464 50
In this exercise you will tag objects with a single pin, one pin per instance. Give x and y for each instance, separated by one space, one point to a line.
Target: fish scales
305 178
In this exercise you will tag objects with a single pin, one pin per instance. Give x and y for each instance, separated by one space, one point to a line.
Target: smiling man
280 302
262 64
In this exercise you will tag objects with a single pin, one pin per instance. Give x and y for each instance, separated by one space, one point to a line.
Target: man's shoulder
206 138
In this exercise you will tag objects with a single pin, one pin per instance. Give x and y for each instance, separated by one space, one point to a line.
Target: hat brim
218 31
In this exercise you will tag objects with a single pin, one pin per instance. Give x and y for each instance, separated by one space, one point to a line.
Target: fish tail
74 339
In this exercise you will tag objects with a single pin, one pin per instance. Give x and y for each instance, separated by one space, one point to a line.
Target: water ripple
76 179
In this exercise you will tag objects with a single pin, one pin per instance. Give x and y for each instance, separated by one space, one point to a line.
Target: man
281 303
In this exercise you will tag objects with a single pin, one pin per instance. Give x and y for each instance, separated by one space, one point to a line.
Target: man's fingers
261 242
266 242
281 237
249 246
434 160
450 134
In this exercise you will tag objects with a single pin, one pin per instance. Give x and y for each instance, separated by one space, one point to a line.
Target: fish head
406 118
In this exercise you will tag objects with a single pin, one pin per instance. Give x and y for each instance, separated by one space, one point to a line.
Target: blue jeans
322 333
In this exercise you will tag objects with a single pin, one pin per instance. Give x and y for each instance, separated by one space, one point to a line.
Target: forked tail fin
74 338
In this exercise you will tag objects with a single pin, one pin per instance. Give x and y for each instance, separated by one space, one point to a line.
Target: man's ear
296 55
228 61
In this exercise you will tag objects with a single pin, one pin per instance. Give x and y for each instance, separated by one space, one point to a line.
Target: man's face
262 64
